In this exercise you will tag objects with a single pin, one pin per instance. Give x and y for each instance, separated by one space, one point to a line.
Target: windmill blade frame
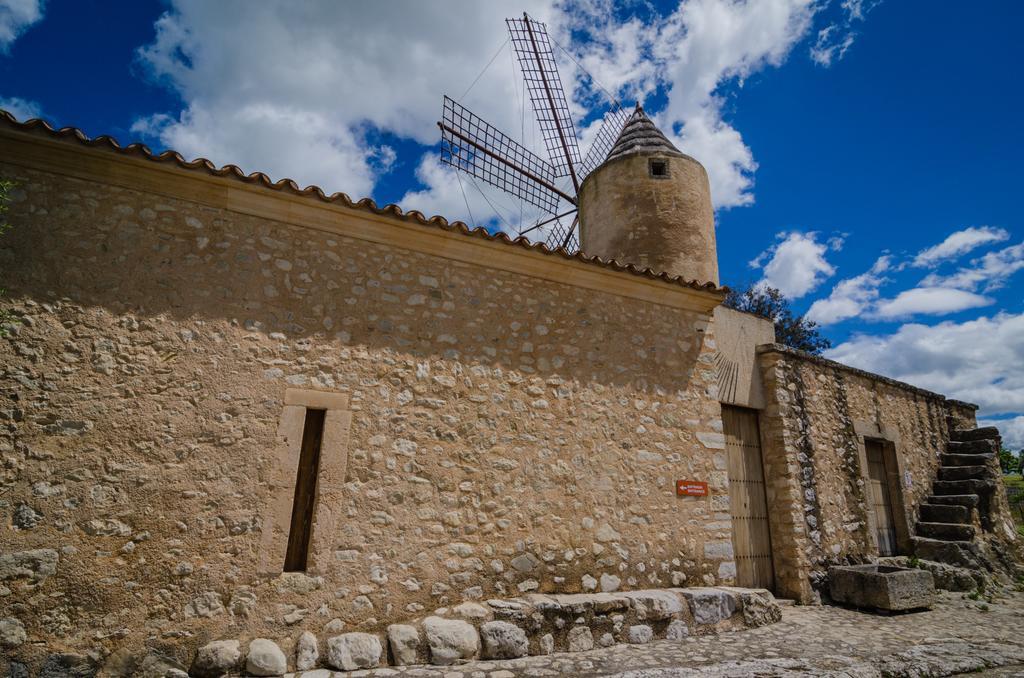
471 144
537 65
614 122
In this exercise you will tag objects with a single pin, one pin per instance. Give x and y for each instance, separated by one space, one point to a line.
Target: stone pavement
959 636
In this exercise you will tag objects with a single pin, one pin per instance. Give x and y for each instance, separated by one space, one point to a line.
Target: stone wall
499 433
737 335
818 416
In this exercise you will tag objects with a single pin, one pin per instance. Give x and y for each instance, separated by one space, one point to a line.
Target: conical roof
640 135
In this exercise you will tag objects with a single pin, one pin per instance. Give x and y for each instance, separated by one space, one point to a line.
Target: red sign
691 488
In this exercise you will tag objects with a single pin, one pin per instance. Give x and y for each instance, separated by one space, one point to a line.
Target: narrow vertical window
305 493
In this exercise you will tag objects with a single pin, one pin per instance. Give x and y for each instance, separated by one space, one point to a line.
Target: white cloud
796 265
988 272
21 109
294 90
693 52
1011 429
831 45
286 135
850 297
980 361
16 17
834 40
617 55
930 301
704 44
960 243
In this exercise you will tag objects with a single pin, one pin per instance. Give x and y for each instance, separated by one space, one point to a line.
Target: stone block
759 607
265 658
655 605
881 587
67 665
580 639
502 640
12 633
450 640
579 603
958 553
405 644
351 651
472 611
639 634
36 565
677 630
217 658
709 605
307 652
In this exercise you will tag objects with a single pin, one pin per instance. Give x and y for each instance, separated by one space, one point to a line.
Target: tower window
658 168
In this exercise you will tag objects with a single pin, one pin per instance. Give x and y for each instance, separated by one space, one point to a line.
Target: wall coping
68 152
832 364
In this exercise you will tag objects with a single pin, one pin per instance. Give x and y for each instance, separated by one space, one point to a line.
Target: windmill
472 145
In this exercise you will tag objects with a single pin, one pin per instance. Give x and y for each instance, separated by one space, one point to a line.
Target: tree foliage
1008 460
792 330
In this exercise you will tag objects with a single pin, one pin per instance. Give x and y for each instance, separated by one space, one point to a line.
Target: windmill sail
611 128
537 63
473 145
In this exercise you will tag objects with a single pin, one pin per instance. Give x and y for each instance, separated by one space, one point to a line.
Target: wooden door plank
748 500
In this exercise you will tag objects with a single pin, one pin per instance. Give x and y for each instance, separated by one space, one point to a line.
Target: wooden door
881 499
748 502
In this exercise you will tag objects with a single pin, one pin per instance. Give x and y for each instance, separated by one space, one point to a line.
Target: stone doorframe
894 467
329 497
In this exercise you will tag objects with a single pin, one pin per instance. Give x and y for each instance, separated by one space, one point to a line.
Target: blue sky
863 154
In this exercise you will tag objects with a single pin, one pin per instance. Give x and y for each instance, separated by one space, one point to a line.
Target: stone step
946 531
972 447
974 486
983 433
967 459
963 472
959 553
950 513
968 500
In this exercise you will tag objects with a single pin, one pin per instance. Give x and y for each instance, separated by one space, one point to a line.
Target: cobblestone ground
958 636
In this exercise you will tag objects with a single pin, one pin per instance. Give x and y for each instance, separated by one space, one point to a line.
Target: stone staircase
961 503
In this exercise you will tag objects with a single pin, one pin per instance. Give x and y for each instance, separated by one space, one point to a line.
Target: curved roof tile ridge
109 143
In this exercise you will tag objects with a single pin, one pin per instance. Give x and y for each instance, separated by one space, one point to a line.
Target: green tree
1008 460
792 330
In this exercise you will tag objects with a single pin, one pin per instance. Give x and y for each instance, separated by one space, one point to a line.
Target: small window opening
305 493
659 168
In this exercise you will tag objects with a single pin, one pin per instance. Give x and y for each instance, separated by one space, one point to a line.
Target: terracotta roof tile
104 142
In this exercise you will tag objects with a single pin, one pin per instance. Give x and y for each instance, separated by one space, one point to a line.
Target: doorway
881 498
751 537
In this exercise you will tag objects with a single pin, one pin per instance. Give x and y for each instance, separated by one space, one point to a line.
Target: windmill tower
649 205
634 198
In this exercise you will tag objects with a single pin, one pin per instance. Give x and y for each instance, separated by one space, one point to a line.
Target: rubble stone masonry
492 434
818 415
